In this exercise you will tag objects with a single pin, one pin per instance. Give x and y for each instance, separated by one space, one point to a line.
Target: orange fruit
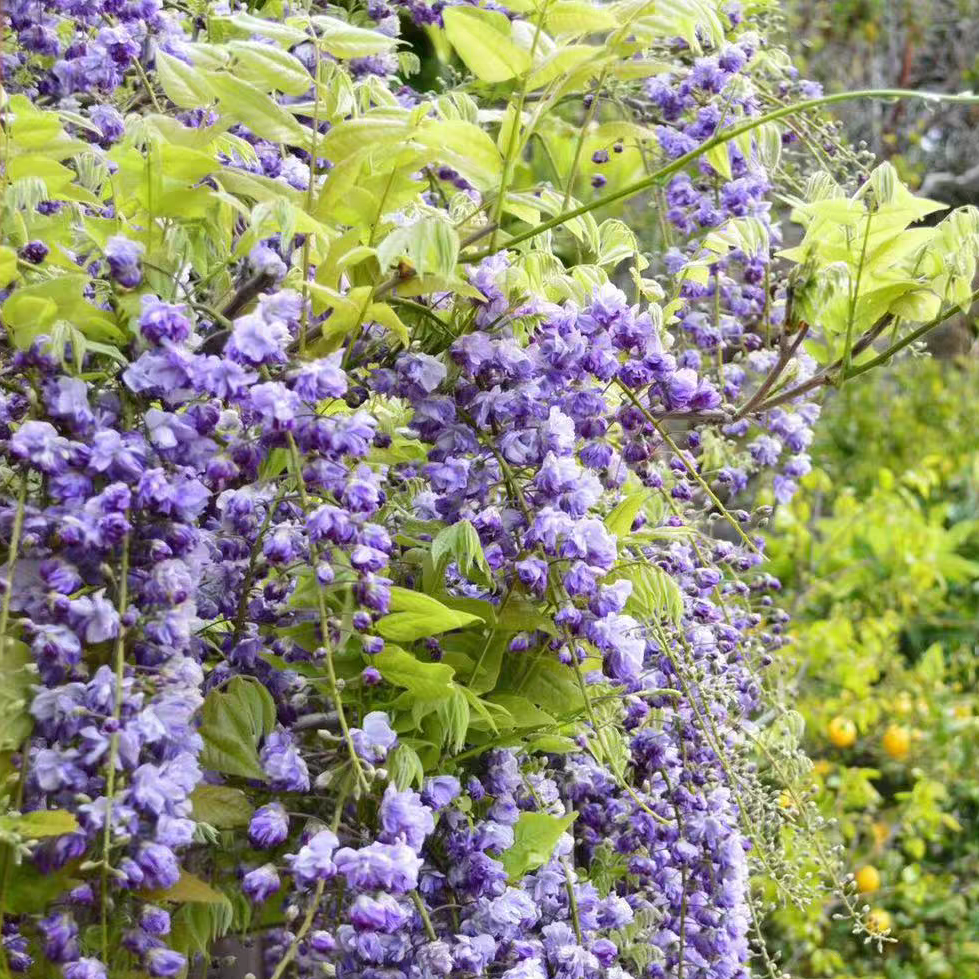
868 879
842 732
897 742
878 922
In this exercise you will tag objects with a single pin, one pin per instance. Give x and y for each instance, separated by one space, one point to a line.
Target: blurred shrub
929 44
880 560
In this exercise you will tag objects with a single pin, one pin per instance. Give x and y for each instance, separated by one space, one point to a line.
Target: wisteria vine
384 581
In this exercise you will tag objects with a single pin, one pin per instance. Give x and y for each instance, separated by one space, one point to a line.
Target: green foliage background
880 560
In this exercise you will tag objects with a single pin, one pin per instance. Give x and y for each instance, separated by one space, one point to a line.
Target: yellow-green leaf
8 265
39 824
183 85
221 806
343 40
258 111
416 616
464 147
719 158
535 835
189 889
382 313
425 681
576 17
483 40
271 67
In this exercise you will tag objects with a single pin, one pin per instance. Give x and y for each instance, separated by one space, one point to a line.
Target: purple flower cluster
235 500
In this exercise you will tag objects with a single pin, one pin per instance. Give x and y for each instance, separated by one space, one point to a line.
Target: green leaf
343 40
485 678
553 744
917 305
435 247
188 889
719 158
491 714
235 718
28 317
405 767
523 712
575 17
565 63
618 242
430 245
183 84
654 592
465 147
247 25
271 67
520 614
417 616
198 925
32 310
259 112
39 824
383 314
623 515
534 837
482 39
374 131
553 686
16 680
460 543
221 806
424 681
455 715
30 891
8 266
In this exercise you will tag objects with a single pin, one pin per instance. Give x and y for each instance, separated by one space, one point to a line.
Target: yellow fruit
842 732
881 831
822 767
962 711
897 742
878 922
868 880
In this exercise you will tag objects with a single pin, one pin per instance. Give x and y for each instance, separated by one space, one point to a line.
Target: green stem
610 758
423 914
15 533
246 586
725 136
690 469
908 339
582 135
852 314
489 638
301 934
325 628
514 140
110 776
683 923
304 322
4 620
144 78
572 900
